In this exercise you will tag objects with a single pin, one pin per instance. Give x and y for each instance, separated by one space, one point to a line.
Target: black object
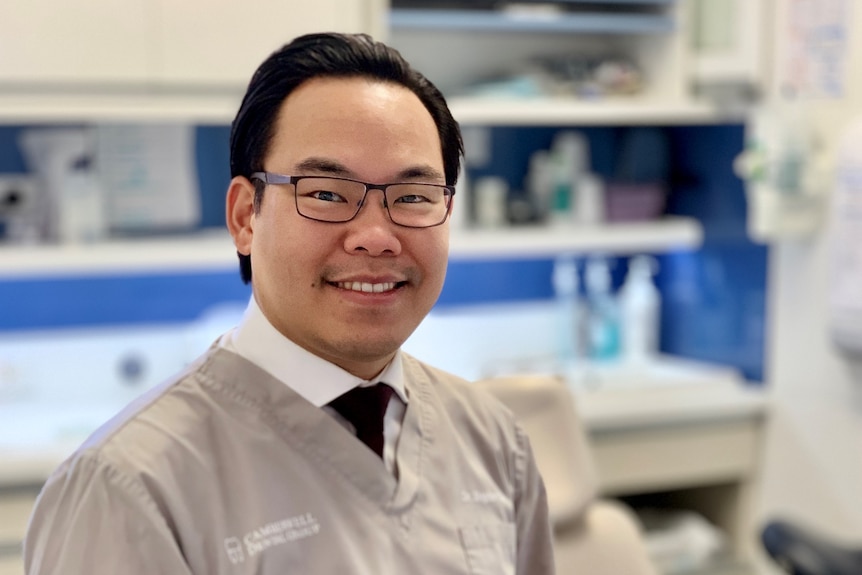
803 551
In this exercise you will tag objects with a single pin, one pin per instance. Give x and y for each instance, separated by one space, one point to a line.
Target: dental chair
591 535
801 550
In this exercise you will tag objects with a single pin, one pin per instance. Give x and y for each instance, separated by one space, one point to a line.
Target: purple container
634 202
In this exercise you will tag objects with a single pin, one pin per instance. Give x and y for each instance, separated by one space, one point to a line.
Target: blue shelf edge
504 22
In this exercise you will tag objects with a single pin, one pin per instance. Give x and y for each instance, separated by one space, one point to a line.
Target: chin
366 350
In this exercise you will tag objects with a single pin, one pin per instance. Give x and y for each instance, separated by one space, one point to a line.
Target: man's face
308 275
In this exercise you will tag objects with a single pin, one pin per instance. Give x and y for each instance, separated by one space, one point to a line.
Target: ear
240 213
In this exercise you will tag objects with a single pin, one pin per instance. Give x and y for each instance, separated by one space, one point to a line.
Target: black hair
327 55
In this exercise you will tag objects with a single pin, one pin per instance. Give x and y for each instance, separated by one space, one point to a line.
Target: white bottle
568 311
590 204
640 304
458 218
539 183
491 193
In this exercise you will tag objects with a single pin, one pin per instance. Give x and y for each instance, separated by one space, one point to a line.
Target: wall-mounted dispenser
786 174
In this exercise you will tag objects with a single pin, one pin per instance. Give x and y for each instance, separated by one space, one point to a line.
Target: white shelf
616 111
220 107
214 250
198 252
217 106
622 239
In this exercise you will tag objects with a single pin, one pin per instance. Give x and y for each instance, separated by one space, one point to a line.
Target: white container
491 194
569 312
590 200
539 182
82 216
461 201
640 305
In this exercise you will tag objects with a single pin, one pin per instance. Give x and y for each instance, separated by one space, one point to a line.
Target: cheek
435 259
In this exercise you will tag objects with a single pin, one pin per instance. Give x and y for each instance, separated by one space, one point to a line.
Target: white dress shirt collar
315 379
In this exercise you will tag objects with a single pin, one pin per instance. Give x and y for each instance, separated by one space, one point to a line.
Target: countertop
36 438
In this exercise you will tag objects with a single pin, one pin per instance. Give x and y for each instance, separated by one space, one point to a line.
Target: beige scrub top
226 470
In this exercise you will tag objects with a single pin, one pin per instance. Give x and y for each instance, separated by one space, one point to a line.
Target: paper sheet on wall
815 57
149 176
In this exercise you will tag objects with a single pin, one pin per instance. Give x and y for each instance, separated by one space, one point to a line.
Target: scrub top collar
315 379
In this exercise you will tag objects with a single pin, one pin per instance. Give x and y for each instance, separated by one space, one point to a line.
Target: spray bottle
603 313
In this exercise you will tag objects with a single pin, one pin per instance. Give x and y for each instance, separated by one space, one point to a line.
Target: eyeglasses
338 200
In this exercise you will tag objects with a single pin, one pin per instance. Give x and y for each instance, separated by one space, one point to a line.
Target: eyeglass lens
336 200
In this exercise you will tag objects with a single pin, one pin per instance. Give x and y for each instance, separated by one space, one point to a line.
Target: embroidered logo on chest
271 535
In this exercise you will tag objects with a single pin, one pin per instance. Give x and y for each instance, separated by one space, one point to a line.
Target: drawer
647 459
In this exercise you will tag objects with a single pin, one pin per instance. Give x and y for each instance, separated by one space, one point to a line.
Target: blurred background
661 202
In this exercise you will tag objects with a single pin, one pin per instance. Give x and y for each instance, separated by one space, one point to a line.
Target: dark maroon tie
364 407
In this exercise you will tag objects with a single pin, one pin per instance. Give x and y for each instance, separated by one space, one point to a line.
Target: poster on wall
814 61
149 177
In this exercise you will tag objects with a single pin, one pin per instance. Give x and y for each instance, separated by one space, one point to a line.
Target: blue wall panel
47 303
714 300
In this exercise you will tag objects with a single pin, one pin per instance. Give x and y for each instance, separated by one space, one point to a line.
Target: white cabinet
458 48
86 41
680 46
693 446
206 43
730 43
140 60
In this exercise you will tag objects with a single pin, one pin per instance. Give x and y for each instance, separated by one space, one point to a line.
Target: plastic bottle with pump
603 313
569 312
640 304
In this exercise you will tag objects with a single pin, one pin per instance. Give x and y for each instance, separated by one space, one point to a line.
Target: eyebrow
334 168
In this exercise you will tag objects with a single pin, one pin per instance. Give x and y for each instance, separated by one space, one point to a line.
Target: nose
372 232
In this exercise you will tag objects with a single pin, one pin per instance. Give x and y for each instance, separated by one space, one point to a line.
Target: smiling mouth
365 287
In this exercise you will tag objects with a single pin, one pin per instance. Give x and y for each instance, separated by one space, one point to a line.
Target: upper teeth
367 287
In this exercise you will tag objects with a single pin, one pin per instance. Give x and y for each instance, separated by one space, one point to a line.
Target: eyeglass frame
271 178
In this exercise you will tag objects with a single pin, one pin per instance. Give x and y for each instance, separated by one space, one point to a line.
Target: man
252 460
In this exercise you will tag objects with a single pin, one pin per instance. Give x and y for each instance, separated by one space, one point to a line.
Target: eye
412 194
326 196
412 199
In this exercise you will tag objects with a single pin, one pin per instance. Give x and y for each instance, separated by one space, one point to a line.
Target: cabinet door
56 42
730 40
221 44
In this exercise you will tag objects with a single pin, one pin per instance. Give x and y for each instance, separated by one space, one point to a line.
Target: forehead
351 118
353 97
